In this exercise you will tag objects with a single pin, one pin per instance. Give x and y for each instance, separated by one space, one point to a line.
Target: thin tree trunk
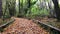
29 5
5 11
19 6
56 7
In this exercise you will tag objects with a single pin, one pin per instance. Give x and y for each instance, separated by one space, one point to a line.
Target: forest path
24 26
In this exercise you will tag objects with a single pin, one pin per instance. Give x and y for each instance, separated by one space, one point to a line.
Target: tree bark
1 13
56 8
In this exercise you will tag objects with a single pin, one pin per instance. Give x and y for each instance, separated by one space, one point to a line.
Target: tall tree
56 8
30 4
1 8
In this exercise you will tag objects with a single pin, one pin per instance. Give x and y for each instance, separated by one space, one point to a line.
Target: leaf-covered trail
24 26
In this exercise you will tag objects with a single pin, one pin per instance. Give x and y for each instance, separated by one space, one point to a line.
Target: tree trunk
29 5
19 6
1 8
56 8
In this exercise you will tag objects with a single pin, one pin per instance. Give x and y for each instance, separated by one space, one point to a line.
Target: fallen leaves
24 26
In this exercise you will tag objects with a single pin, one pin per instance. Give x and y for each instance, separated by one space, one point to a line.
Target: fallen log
49 26
6 24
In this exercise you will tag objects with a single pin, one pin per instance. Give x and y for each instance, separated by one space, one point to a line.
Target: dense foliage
22 8
28 8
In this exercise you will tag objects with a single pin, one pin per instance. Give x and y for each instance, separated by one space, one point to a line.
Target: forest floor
24 26
49 21
3 22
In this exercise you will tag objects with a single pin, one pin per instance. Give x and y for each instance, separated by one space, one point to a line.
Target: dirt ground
24 26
